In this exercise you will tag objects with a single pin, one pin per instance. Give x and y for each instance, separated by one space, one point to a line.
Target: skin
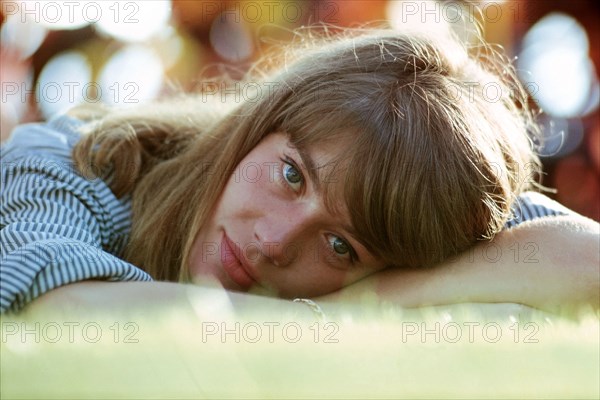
273 229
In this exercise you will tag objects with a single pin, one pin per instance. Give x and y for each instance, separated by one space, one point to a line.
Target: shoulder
41 184
54 138
37 161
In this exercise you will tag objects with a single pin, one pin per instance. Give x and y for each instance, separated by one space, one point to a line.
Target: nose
283 232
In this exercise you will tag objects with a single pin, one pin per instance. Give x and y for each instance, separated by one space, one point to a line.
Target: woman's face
272 228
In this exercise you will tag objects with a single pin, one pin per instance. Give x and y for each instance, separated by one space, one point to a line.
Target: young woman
375 150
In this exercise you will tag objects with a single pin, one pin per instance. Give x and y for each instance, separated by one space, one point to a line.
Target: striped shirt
531 205
57 227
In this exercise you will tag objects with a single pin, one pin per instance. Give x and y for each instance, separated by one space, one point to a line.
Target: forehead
327 165
328 162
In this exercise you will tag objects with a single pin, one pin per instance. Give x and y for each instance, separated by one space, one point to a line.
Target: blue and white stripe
532 205
56 227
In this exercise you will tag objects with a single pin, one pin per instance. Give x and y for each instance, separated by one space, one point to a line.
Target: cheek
249 171
247 187
199 257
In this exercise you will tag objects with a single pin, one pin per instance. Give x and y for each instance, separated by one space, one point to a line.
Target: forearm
549 263
154 299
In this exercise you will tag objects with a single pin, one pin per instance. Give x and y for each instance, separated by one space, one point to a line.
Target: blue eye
292 176
339 246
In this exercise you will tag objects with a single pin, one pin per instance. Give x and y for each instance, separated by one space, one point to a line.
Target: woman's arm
153 300
549 263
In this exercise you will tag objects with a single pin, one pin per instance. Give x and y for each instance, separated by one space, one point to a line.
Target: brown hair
440 160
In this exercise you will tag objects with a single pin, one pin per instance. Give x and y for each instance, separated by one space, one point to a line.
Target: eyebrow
310 166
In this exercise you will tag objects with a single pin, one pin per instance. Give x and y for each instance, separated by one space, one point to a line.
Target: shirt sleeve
56 227
532 205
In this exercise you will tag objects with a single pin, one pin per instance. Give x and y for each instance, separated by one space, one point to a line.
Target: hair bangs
372 193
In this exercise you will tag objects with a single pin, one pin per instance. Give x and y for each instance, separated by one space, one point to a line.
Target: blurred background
58 54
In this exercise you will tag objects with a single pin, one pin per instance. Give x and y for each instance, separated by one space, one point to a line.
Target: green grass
371 357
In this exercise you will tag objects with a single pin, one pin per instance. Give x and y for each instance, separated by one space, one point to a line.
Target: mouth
233 264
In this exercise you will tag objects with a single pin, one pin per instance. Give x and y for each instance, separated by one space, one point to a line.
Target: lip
233 264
